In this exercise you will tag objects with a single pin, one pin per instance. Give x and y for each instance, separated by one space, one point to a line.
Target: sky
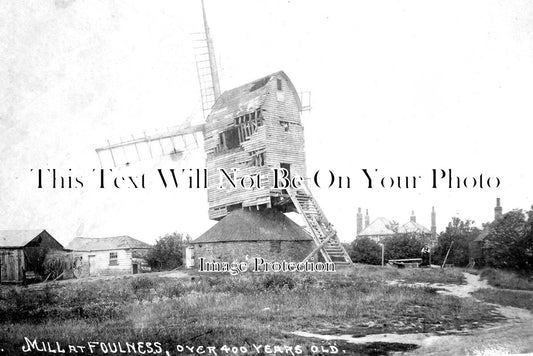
403 87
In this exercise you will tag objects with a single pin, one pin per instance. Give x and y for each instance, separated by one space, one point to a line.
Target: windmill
248 131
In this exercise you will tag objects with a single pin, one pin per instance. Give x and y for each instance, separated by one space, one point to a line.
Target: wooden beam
320 246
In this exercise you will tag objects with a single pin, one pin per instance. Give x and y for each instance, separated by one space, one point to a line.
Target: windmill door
286 166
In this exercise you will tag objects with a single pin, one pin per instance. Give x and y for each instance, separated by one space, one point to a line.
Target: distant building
21 251
110 255
476 247
412 227
383 227
378 229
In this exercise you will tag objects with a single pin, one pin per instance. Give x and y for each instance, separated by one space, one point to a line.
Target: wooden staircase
318 226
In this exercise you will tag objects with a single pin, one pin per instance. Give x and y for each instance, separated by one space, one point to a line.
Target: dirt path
515 336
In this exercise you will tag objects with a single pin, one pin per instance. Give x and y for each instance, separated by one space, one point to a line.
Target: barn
249 233
106 256
22 253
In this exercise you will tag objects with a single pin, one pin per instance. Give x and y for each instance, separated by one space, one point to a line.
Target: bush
167 253
400 246
278 281
461 234
171 290
509 244
142 287
365 250
142 283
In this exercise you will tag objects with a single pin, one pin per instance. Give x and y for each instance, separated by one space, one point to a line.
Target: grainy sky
398 86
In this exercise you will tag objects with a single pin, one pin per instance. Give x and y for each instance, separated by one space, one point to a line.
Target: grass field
507 279
512 298
244 310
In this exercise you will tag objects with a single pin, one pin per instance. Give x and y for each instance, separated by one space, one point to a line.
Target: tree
365 250
399 246
461 233
509 243
168 251
528 243
35 257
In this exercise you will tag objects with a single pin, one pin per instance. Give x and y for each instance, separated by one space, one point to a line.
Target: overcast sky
399 86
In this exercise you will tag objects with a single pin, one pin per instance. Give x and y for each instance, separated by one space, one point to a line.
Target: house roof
413 227
378 227
105 243
247 97
254 225
17 238
483 234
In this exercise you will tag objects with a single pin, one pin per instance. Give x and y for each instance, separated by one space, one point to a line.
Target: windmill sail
206 66
176 140
170 141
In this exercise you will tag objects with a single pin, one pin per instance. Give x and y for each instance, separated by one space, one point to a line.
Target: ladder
318 226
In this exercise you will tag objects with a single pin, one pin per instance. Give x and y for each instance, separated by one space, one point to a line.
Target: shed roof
105 243
247 97
378 227
254 225
17 238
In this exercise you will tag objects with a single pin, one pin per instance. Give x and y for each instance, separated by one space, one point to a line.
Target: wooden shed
22 252
110 255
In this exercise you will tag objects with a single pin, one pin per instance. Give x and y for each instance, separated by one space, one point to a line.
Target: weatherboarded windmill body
252 131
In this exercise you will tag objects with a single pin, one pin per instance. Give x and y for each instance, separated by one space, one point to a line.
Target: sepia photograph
281 177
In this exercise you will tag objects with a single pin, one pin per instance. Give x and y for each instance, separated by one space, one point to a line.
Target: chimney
433 224
498 210
359 221
367 219
413 217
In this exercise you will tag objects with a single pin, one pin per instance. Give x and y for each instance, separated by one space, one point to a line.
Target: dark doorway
135 268
287 166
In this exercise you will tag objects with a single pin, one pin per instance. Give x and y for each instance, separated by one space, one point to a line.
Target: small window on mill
257 159
113 258
280 87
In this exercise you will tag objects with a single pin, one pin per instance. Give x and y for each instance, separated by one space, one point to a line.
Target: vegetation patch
508 279
377 348
221 310
412 275
512 298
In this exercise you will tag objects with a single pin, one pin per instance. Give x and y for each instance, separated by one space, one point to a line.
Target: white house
111 255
